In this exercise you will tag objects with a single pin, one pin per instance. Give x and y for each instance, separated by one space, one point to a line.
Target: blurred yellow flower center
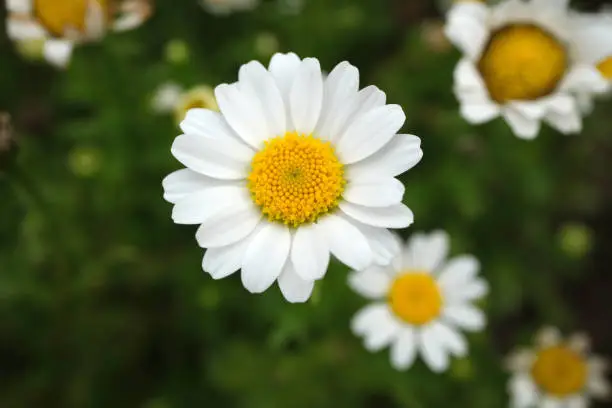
59 15
296 178
201 97
559 371
522 62
605 67
415 297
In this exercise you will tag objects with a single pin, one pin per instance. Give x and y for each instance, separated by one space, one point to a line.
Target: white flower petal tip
295 166
429 324
502 54
535 378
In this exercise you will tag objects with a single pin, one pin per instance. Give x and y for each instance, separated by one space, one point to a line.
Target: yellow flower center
605 67
522 62
415 297
200 97
296 178
59 15
559 371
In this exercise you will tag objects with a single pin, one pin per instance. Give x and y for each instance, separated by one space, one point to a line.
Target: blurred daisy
294 168
170 97
556 373
54 27
420 302
228 6
527 61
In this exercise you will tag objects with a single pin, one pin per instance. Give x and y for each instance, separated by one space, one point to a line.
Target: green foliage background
103 302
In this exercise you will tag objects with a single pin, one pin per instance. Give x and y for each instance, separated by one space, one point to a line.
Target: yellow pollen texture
559 371
296 178
415 298
522 62
605 67
59 15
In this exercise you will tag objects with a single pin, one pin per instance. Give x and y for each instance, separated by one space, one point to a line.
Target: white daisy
228 6
420 302
60 25
170 97
527 61
556 373
292 168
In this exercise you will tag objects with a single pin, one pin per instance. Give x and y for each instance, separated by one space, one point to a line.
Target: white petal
309 253
566 121
579 342
293 287
577 401
346 242
283 68
370 318
465 316
404 349
218 158
522 126
368 98
166 97
583 78
432 350
95 20
58 52
426 252
551 402
381 192
459 270
181 183
466 292
244 114
306 96
523 391
265 257
467 26
386 331
598 386
22 28
210 124
340 91
19 6
477 113
548 336
372 283
201 205
369 132
395 216
450 339
229 225
398 156
223 261
468 80
255 79
385 244
521 360
592 32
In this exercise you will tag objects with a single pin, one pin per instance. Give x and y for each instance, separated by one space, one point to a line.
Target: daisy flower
420 301
228 6
59 25
529 61
556 373
293 167
170 97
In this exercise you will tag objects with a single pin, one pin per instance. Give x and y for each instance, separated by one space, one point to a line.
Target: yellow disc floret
60 15
605 67
415 298
522 62
296 178
559 371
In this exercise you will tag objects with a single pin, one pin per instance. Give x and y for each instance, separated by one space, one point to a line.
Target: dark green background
103 302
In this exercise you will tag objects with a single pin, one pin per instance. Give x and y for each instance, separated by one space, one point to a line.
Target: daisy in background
556 373
529 61
56 26
171 97
420 302
228 6
293 167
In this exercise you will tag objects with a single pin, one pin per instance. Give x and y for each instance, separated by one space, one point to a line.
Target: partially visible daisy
529 61
56 26
556 373
293 168
170 97
228 6
421 301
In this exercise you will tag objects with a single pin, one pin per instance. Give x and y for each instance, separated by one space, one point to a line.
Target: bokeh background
103 302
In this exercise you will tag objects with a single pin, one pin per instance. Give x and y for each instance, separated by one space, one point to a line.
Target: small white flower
170 97
529 61
420 302
60 25
556 373
293 168
228 6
